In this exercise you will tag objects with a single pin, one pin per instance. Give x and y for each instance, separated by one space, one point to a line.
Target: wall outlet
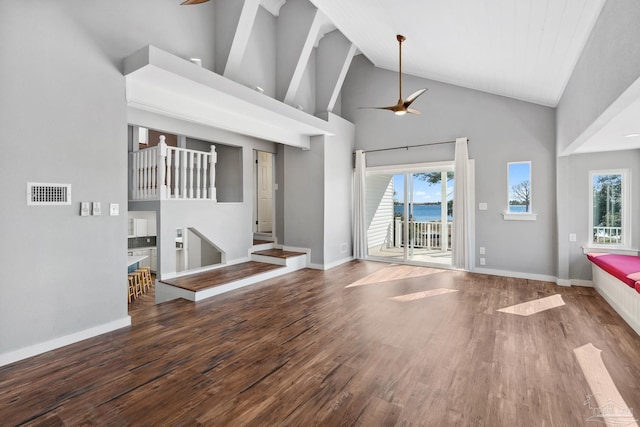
572 237
483 261
481 250
95 209
482 206
114 209
344 247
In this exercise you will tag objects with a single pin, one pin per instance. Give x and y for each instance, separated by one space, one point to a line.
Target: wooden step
279 253
268 264
212 278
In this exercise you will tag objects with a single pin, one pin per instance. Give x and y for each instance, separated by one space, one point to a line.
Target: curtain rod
410 146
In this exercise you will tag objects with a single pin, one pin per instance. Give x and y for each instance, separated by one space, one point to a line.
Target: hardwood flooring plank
306 349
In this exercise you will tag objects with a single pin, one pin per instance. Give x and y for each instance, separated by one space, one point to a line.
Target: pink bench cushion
623 267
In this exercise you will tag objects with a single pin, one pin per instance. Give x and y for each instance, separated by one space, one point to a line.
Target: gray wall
303 200
609 63
577 183
338 176
501 130
259 62
63 120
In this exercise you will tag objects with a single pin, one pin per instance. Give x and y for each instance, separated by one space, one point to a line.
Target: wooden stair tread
278 253
261 242
209 279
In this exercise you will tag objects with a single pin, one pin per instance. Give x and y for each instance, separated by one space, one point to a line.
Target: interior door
265 192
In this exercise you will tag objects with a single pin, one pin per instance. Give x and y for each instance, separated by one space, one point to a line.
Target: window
519 205
609 208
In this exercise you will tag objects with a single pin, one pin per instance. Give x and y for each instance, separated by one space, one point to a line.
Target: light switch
572 237
482 206
114 209
85 208
481 250
95 211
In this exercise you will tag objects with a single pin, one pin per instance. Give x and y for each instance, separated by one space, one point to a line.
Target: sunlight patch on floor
609 407
423 294
535 306
394 272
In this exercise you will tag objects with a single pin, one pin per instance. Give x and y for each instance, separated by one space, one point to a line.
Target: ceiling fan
402 107
188 2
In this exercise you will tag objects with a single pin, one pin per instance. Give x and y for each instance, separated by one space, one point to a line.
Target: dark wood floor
303 349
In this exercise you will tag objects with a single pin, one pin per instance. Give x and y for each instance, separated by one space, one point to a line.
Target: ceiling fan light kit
402 107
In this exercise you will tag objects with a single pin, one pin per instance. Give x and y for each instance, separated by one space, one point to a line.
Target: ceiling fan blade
412 111
391 108
188 2
413 97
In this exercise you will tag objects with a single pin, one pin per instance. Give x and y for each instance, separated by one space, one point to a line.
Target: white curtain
462 207
359 208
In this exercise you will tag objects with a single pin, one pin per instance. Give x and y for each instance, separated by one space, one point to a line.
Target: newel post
212 174
162 162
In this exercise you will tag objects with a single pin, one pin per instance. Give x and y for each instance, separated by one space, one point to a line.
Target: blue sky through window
423 192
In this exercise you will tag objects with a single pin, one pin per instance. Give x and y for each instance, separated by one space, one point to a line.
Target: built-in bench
617 279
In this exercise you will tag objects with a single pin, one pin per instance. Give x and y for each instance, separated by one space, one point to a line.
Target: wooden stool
132 288
146 278
137 282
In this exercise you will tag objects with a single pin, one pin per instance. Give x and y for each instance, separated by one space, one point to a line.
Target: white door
265 192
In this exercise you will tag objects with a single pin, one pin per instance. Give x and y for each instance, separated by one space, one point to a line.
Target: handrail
183 173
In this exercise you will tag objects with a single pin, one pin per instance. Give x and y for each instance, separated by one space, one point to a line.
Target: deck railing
422 234
164 173
607 235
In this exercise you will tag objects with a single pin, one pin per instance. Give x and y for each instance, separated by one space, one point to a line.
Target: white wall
500 129
379 209
609 63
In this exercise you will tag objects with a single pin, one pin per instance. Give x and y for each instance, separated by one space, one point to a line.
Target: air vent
48 194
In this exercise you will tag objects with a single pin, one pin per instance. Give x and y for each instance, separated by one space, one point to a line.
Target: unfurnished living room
320 212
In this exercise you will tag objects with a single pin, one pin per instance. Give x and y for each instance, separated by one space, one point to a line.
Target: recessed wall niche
228 169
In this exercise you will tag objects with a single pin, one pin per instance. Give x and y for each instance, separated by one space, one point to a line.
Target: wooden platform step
279 253
257 242
209 279
264 264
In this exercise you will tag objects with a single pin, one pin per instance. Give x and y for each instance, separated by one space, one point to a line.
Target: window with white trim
519 194
609 208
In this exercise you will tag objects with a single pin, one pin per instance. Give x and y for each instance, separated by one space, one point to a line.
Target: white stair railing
164 173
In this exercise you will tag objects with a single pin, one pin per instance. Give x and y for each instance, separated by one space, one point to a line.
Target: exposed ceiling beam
246 22
335 53
272 6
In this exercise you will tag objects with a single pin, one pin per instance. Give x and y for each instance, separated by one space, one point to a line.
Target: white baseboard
43 347
516 274
331 265
583 283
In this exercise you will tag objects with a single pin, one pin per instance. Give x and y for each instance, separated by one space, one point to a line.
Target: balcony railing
607 235
422 234
167 173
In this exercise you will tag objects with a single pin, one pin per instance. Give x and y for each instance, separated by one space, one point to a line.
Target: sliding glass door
409 214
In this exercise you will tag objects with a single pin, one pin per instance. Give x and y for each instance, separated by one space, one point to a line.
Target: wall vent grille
39 194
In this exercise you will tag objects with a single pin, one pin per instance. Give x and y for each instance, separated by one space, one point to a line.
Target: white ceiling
523 49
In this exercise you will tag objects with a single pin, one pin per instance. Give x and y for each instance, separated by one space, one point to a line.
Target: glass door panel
405 216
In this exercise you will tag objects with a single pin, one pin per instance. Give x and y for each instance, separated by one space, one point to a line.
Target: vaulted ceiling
523 49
